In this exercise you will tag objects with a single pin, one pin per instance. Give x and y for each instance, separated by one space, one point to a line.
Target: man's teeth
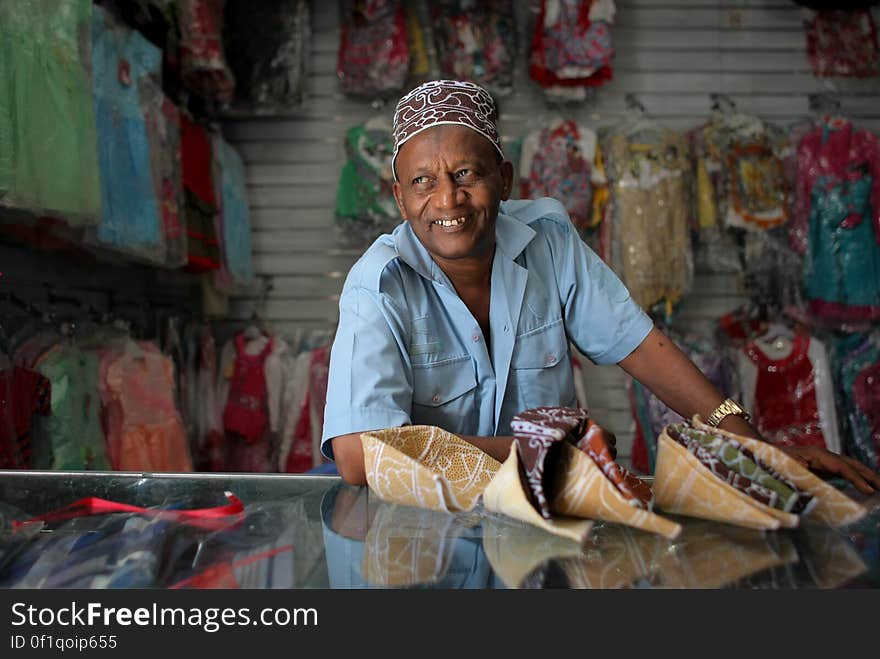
450 223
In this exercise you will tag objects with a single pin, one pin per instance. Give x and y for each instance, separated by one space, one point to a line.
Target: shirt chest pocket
444 395
540 368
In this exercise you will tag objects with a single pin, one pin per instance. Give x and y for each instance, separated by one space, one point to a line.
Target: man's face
450 182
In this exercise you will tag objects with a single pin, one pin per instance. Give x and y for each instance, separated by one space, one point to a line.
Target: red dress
785 408
246 414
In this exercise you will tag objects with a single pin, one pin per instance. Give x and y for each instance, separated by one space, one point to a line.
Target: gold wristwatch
727 408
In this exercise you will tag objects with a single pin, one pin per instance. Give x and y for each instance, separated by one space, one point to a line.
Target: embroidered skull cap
440 102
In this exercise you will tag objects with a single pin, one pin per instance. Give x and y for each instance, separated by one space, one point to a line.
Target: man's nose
449 194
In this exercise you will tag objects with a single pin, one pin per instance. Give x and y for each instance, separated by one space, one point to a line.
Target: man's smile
449 223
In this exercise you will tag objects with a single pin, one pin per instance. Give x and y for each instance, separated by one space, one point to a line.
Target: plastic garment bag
740 180
72 436
563 160
787 384
267 46
143 427
743 179
98 543
650 242
126 71
476 41
109 551
48 154
374 56
571 46
200 205
202 62
836 222
234 217
255 552
856 362
842 43
163 129
365 205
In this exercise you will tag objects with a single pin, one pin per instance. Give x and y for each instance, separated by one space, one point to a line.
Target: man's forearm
348 453
671 376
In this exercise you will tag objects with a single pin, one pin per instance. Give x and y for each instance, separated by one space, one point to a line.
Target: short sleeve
274 369
601 318
370 378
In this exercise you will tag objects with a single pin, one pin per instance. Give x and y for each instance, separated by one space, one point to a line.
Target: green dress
72 437
48 143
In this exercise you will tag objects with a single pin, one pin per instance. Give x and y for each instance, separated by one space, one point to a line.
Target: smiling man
462 317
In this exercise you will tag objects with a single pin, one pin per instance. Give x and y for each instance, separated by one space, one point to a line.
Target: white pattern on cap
444 102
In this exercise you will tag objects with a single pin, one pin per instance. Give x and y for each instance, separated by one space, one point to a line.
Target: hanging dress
48 139
373 59
838 221
126 69
789 392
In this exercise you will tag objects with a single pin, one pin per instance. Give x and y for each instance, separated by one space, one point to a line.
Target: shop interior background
670 56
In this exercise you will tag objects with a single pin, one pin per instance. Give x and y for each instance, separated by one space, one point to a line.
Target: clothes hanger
726 113
778 335
638 121
378 122
253 331
257 327
722 104
71 325
826 106
121 332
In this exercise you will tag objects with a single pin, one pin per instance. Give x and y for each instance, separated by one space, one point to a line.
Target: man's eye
420 180
463 173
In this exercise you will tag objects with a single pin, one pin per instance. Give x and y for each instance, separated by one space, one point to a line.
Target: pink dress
143 427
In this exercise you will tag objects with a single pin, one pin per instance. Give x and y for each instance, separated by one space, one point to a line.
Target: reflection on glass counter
372 544
191 533
268 531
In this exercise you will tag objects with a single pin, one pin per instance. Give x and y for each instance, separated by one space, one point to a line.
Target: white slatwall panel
671 53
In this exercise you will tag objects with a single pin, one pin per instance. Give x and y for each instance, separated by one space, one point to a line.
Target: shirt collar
511 238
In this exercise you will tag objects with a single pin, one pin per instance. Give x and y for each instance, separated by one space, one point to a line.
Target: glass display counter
316 532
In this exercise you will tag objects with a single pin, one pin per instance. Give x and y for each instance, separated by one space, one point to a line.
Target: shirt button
506 328
550 359
476 338
436 398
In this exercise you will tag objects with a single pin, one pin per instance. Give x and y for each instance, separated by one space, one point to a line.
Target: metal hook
722 102
633 103
824 102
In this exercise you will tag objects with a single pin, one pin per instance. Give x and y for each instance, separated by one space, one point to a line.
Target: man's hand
824 461
659 365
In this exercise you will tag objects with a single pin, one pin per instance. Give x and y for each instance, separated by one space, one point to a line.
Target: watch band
725 409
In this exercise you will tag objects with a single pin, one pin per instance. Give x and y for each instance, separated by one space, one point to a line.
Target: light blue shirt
408 350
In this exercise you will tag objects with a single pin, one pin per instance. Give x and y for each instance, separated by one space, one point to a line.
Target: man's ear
398 197
506 180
